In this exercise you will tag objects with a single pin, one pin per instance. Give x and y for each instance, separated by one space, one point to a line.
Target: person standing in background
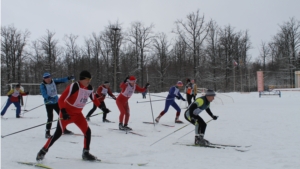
195 89
49 93
189 91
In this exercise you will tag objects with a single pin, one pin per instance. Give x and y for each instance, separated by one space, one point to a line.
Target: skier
170 101
101 93
71 102
194 91
192 115
189 91
14 97
128 87
144 94
49 93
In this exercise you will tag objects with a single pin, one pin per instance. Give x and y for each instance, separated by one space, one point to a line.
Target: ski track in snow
270 124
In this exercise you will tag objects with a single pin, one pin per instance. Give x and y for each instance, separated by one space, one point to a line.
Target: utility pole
115 57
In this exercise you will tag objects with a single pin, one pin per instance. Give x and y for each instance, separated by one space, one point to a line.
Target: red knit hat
132 79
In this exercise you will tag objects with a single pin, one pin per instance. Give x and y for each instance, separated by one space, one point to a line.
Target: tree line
216 57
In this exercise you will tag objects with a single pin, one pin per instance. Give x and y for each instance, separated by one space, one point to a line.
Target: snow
270 124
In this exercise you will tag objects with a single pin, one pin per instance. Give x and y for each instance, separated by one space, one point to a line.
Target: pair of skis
166 125
128 131
219 146
40 165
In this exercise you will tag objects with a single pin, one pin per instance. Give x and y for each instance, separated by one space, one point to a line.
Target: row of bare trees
216 57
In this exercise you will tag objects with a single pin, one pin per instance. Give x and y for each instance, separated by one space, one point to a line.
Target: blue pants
173 104
8 103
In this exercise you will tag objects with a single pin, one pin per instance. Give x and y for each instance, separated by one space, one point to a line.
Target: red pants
122 103
76 118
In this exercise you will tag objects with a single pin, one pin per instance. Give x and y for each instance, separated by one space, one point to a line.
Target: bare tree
140 36
193 32
13 43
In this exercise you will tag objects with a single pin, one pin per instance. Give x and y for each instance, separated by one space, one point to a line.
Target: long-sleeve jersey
128 90
75 97
102 91
14 94
200 104
49 91
174 92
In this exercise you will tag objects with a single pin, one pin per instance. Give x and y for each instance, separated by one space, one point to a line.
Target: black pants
189 98
50 108
102 107
199 123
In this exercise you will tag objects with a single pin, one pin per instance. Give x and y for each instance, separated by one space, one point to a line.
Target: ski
158 123
230 145
128 132
103 161
213 146
93 124
35 164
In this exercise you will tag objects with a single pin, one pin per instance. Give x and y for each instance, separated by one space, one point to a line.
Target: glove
114 98
71 77
177 97
215 117
183 99
8 96
126 79
26 93
50 99
65 115
147 85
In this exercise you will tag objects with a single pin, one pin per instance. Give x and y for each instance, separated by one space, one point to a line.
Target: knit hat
132 79
84 74
18 85
46 75
106 83
188 80
179 83
210 92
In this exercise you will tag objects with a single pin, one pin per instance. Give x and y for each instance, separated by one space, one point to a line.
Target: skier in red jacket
128 87
71 103
101 93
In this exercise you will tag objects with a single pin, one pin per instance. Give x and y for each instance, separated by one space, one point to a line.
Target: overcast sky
83 17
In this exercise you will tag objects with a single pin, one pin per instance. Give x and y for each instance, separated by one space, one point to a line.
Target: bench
270 93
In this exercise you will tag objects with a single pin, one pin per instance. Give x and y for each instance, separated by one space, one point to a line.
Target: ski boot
68 132
121 127
126 127
87 156
41 154
177 120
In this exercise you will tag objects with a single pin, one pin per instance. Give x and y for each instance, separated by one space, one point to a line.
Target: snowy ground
270 124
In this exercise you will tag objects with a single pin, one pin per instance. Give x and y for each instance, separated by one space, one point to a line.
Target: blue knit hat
46 75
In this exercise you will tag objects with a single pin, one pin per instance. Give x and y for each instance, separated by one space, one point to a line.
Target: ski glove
26 93
126 79
65 115
114 98
147 85
215 117
177 97
71 77
183 99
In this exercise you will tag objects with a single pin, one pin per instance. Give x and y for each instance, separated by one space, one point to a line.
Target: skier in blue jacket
49 93
170 101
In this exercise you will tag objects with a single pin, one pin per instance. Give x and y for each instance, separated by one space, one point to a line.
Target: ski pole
151 107
26 111
193 130
29 128
153 100
159 96
26 103
171 133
